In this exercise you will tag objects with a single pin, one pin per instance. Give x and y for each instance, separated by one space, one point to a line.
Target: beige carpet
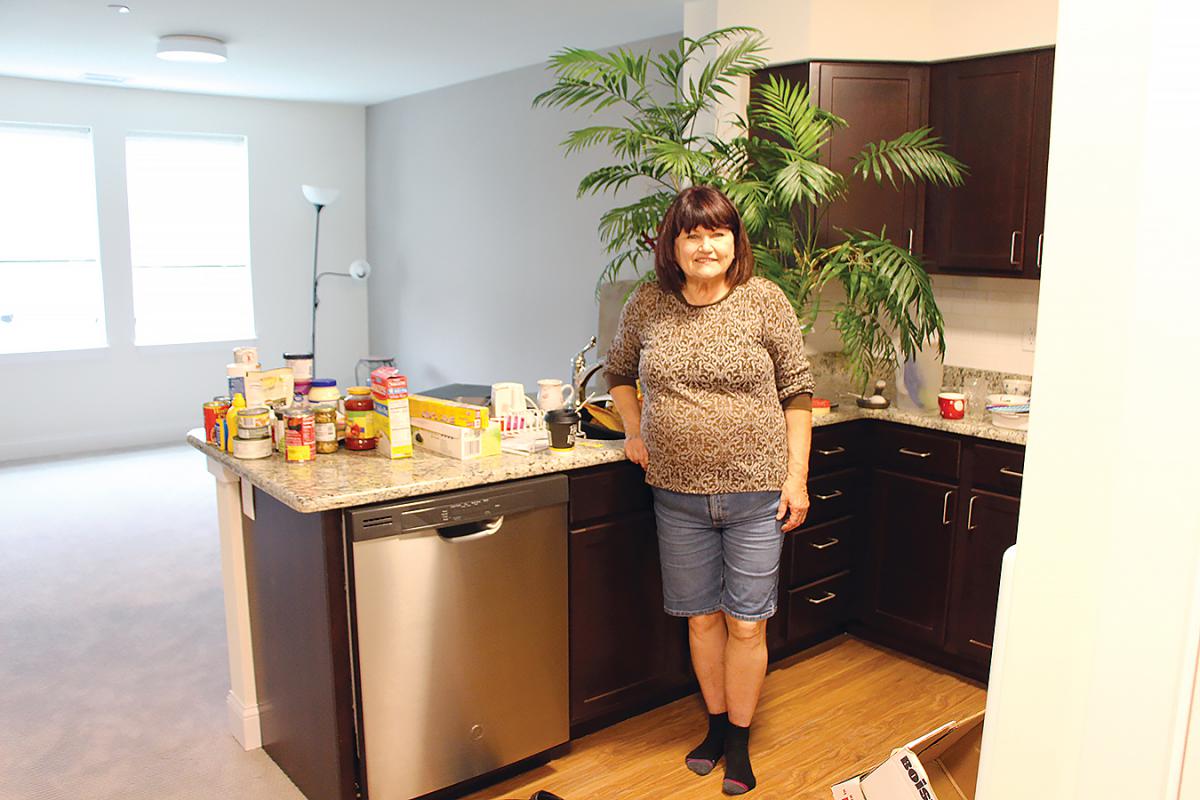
113 668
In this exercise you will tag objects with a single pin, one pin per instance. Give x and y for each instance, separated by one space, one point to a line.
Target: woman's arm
625 399
793 498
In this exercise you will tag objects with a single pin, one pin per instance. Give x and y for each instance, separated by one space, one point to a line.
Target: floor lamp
319 197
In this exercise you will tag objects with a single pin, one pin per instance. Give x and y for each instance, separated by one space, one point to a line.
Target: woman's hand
793 503
635 451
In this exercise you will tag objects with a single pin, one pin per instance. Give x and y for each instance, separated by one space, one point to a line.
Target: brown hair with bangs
701 207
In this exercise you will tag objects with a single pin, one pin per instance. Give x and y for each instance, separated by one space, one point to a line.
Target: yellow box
464 415
392 428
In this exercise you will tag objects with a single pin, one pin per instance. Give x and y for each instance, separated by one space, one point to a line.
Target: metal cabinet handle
1012 249
1039 251
835 451
910 239
971 511
1012 473
946 508
836 493
828 596
832 541
908 452
979 643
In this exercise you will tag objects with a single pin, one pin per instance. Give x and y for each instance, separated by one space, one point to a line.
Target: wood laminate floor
824 714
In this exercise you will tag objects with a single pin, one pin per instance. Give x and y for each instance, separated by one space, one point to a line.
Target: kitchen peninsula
288 570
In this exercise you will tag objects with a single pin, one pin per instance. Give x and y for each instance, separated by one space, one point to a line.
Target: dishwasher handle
470 531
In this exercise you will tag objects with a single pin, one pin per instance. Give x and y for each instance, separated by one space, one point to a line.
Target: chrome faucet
581 373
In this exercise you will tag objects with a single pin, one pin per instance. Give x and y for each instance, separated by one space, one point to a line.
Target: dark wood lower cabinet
911 528
990 529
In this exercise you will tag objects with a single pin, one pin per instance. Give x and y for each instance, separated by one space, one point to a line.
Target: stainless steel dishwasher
461 614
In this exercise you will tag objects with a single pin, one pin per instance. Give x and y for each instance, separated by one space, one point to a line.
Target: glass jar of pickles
325 423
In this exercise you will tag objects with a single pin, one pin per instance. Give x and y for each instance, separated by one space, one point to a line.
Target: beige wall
986 318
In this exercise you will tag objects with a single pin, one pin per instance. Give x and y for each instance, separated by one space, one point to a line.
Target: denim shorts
719 552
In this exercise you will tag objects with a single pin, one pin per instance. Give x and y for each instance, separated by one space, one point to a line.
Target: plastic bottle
239 401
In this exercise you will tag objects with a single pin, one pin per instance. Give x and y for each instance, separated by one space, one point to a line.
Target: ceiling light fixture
187 47
120 9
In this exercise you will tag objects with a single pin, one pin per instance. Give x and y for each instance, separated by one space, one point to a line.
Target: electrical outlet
1029 340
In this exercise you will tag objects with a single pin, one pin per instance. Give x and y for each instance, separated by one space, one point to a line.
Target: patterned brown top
715 379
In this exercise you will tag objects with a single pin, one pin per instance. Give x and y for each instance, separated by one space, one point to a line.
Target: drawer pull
1012 249
908 452
835 493
832 541
1012 473
971 512
946 508
828 596
979 643
835 451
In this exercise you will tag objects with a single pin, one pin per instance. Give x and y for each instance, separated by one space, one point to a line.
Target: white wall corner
244 722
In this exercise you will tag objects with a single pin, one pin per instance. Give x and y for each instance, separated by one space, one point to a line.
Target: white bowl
1017 386
1014 420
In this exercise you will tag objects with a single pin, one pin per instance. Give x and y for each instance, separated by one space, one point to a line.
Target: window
189 237
51 294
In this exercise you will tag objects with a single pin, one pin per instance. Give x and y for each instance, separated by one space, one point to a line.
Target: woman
723 435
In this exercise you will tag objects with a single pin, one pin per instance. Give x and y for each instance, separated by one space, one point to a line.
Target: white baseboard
243 722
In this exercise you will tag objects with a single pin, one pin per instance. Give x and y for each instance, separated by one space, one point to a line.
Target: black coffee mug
561 424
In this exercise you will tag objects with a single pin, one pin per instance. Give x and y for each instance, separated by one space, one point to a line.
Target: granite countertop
346 478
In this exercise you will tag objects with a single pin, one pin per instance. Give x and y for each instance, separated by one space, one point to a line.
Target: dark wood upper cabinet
994 115
879 101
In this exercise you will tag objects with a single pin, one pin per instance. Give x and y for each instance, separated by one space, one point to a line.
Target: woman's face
704 253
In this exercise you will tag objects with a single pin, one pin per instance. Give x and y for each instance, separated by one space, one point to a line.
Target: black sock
706 755
739 777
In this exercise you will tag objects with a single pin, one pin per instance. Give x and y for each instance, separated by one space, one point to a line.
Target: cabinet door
879 101
911 526
1035 221
623 647
983 109
991 528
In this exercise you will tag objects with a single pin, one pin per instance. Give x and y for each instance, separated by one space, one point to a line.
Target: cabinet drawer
998 469
835 447
822 550
832 496
607 491
818 607
917 453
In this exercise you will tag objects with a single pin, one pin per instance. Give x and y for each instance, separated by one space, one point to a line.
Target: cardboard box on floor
941 765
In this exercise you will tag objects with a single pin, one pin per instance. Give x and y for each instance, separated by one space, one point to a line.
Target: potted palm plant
770 168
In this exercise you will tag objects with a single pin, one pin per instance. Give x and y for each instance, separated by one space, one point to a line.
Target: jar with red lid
360 419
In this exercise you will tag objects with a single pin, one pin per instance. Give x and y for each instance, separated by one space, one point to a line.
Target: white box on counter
456 441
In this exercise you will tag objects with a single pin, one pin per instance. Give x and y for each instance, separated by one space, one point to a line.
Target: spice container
360 419
325 428
300 433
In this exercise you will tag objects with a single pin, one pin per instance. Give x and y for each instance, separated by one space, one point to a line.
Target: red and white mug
952 405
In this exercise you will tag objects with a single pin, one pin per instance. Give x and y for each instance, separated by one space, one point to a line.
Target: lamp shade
186 47
360 270
320 195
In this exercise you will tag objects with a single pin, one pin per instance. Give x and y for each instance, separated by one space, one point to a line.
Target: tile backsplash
986 321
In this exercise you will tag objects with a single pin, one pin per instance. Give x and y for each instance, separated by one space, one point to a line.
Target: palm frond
917 156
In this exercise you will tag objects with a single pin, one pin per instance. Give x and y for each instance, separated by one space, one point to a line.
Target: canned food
214 421
301 435
252 448
325 428
254 433
259 417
